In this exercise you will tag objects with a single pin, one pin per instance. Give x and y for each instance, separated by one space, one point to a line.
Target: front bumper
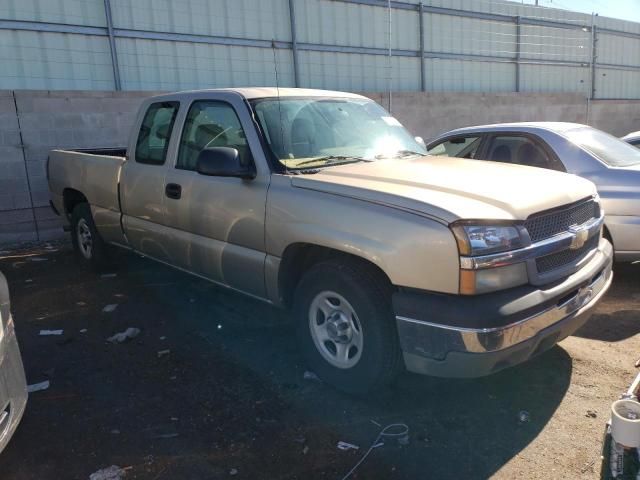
13 385
459 336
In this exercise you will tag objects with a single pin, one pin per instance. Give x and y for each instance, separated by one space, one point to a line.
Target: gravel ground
228 398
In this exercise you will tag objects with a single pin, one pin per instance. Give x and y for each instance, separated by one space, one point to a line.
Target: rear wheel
346 326
86 240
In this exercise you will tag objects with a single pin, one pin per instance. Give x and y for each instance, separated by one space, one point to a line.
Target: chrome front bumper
515 328
13 385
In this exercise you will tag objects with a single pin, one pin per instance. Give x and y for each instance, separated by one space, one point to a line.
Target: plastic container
625 423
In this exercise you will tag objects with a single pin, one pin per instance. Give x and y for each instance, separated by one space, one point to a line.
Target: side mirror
420 140
222 162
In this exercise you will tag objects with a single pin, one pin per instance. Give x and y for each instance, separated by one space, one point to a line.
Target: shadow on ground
229 396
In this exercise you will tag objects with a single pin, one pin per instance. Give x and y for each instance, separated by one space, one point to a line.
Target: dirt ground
229 399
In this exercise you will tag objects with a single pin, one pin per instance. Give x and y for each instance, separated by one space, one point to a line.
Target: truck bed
94 174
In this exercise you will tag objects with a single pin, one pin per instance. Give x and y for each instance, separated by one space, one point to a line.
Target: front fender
412 250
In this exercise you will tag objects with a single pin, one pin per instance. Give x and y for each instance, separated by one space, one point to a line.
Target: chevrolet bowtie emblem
581 235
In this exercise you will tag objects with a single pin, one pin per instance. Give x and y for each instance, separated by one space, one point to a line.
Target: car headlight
478 239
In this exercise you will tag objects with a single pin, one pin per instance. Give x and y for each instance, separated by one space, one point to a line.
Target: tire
356 356
87 242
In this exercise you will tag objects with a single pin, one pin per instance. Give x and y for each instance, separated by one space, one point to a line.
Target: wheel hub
339 328
336 329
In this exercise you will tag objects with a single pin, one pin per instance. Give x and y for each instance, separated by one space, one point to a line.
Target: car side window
462 147
155 133
210 123
521 151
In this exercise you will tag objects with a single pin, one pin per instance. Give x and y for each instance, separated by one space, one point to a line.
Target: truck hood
451 189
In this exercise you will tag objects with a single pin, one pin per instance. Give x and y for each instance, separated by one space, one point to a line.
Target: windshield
611 150
314 132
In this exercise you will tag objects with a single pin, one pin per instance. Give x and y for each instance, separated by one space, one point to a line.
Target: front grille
566 257
546 225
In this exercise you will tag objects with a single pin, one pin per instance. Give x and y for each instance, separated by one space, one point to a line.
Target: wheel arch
298 258
71 198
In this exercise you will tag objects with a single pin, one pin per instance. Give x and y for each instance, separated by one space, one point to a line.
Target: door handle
173 190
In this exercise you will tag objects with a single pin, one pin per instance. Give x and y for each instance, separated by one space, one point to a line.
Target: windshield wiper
329 160
401 154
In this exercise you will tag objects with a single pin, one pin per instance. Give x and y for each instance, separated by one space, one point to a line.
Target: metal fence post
423 85
112 45
594 56
294 43
518 52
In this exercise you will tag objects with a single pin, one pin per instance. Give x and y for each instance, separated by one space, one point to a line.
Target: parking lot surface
214 387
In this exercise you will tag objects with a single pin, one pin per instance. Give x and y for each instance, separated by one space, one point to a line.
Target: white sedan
610 163
13 386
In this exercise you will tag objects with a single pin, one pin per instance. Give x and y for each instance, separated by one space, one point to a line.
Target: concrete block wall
44 120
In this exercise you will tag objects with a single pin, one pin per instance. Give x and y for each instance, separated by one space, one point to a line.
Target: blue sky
624 9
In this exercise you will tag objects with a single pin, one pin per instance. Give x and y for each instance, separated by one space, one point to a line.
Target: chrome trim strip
485 340
544 247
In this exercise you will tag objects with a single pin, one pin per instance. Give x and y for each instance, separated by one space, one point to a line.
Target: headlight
485 239
474 239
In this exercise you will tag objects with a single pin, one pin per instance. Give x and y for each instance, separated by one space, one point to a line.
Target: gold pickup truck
323 203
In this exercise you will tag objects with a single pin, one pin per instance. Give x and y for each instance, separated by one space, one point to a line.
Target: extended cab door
142 180
217 223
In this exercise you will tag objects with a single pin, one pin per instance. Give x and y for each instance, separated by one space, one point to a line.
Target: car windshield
611 150
315 132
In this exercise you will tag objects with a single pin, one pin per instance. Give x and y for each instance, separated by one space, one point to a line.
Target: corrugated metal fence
357 45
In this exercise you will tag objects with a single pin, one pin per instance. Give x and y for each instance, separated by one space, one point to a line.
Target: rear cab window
155 132
461 147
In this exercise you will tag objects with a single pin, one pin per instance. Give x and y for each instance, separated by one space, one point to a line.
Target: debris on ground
121 337
308 375
305 450
233 471
84 330
80 304
44 333
591 414
110 308
36 387
347 446
108 275
28 280
523 416
301 440
113 472
167 435
162 353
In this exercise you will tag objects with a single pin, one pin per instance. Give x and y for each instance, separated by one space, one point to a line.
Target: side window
210 124
462 147
521 151
155 132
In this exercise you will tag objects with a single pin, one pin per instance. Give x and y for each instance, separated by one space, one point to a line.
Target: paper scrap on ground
110 308
36 387
162 353
108 275
347 446
114 472
44 333
120 337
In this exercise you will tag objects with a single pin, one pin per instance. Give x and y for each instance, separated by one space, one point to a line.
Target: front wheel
346 326
86 240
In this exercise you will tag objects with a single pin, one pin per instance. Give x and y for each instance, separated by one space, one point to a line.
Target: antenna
275 67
